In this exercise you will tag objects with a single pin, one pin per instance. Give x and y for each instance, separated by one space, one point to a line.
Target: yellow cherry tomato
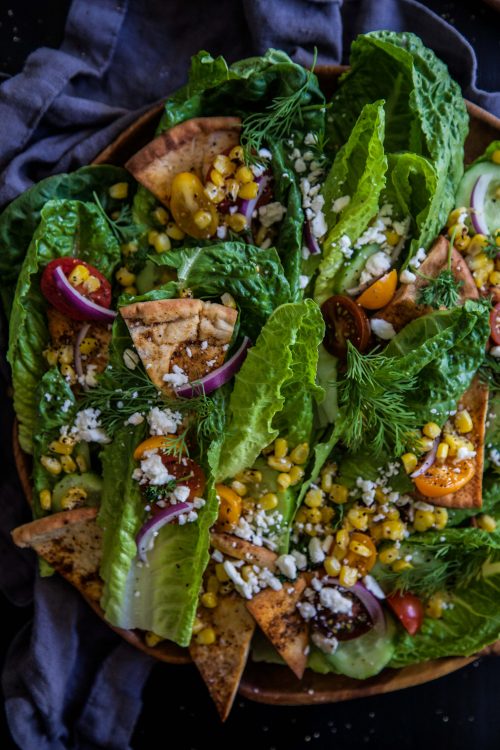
193 212
157 442
363 562
380 293
444 479
230 506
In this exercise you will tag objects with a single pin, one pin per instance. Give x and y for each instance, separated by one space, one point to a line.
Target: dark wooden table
459 711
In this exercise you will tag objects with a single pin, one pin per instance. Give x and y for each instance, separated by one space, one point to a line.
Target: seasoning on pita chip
190 146
233 546
221 663
179 340
277 615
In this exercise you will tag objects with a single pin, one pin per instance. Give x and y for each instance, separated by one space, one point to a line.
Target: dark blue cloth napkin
69 681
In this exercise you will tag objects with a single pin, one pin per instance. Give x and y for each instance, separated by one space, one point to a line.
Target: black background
460 711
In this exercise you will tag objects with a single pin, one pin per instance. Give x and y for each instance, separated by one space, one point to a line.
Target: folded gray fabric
69 681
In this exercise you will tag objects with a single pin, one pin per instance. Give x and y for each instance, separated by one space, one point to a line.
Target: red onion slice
247 207
370 602
77 355
310 240
218 377
79 302
146 536
428 461
477 200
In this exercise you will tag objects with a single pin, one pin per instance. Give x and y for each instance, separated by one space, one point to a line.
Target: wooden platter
269 683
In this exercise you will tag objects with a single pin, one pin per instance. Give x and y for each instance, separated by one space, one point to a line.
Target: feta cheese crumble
163 421
87 427
382 328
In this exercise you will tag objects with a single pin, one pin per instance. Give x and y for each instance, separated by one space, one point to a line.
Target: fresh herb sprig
123 227
444 289
373 410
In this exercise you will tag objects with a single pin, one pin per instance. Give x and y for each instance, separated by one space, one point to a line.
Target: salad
257 370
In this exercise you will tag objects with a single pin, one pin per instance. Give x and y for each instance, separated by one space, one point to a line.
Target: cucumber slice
348 276
360 658
90 482
492 203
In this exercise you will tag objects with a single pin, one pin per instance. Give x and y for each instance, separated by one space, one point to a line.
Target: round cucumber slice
90 482
491 203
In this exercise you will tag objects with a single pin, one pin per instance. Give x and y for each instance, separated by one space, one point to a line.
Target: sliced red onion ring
247 207
428 461
370 603
77 355
477 200
218 377
84 305
310 240
146 536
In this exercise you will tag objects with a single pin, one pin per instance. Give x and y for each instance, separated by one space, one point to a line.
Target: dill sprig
284 114
444 290
123 227
373 410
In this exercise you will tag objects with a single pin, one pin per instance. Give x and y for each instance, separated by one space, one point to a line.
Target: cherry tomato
363 564
345 321
380 293
495 324
444 479
187 472
157 442
187 202
230 507
408 609
101 296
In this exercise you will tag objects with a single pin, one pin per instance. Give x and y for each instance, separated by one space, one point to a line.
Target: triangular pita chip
221 664
233 546
187 336
190 146
403 307
277 615
71 542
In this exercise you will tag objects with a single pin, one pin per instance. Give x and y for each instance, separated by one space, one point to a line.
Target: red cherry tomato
495 324
101 296
345 321
408 609
187 470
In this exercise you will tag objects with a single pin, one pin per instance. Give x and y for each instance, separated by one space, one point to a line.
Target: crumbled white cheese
339 204
286 564
333 600
176 379
66 405
464 453
303 281
373 587
326 645
310 139
345 246
382 328
271 213
301 559
376 265
163 421
135 418
316 554
47 397
307 610
221 231
152 470
495 351
407 277
87 427
264 153
418 258
300 165
181 493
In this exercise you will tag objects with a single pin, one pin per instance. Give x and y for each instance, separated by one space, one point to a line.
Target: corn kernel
400 565
129 248
455 215
301 515
440 518
377 532
300 453
63 448
478 262
392 514
237 222
462 242
66 355
130 290
431 430
92 284
221 574
81 463
388 555
494 278
51 355
160 214
197 625
249 475
393 530
454 443
348 576
125 277
326 481
477 243
279 464
248 191
280 447
327 514
209 600
214 194
74 498
409 462
261 235
339 494
236 153
460 230
45 499
232 188
284 480
78 275
152 639
424 444
68 464
314 515
174 231
217 178
486 522
359 549
206 637
314 498
495 156
342 539
68 374
442 452
162 242
224 165
463 420
244 175
240 488
296 474
424 520
392 238
88 345
380 495
359 518
435 606
332 566
213 584
119 190
202 218
269 501
52 465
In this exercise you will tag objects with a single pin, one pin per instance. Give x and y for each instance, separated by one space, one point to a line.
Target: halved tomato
380 293
363 563
101 296
444 479
157 442
229 508
408 609
345 321
188 474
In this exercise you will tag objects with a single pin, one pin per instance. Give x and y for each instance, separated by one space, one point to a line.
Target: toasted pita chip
71 542
277 615
403 307
189 334
233 546
222 663
190 146
475 400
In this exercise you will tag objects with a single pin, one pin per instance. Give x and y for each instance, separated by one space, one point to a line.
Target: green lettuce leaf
359 172
274 389
67 228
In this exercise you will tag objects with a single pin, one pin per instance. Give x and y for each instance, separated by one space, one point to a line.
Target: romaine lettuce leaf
274 388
